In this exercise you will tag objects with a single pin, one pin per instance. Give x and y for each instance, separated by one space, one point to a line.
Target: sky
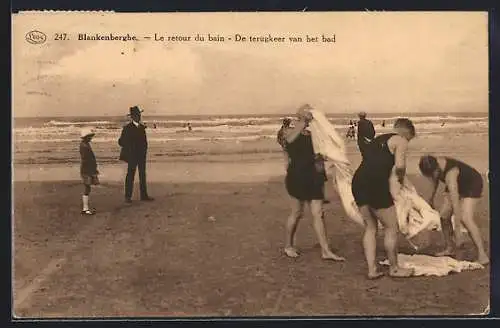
381 62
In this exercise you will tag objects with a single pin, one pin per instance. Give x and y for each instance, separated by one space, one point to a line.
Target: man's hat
86 132
135 111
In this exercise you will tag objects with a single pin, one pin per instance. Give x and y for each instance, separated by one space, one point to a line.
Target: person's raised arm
293 133
451 181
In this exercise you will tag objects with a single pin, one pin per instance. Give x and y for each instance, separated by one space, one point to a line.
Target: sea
230 127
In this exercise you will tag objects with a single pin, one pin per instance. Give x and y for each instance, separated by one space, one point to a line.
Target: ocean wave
79 123
57 131
169 135
251 121
152 139
432 118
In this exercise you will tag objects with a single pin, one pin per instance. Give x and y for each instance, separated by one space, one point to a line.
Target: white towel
414 214
425 265
327 142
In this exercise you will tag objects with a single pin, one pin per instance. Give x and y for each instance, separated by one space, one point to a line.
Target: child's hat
86 132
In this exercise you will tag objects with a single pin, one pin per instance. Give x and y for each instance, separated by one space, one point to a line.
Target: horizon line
254 114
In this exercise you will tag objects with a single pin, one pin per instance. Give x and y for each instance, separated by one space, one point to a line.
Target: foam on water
163 129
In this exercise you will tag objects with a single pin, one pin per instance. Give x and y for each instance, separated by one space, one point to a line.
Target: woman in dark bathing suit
372 193
464 186
304 183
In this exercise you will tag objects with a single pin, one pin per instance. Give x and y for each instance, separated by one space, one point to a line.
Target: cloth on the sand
414 213
425 265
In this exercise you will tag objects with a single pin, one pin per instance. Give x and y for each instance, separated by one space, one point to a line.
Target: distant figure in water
383 123
366 132
442 124
154 125
351 131
189 127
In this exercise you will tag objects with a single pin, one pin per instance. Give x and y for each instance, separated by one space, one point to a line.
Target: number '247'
60 36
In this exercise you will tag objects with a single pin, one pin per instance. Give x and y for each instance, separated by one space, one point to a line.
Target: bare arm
435 185
292 134
400 149
451 180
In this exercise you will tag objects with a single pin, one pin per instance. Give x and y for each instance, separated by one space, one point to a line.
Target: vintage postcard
162 163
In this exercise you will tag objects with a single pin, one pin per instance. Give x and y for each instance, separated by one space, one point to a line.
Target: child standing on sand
88 168
464 186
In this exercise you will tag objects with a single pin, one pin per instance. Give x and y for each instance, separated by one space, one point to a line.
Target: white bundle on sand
414 213
425 265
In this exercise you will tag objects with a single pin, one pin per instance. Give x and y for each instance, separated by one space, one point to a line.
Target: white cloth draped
414 213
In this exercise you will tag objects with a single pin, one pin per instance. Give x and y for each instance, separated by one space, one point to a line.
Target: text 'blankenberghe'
211 38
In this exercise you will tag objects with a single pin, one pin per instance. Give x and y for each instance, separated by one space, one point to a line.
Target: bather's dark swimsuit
370 184
470 181
303 179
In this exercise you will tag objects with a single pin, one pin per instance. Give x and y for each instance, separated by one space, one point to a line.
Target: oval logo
36 37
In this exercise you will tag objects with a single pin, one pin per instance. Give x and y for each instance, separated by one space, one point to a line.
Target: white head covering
86 132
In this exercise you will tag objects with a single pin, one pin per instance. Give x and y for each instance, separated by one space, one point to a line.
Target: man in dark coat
134 145
366 132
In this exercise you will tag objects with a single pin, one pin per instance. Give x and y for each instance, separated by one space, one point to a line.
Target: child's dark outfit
88 172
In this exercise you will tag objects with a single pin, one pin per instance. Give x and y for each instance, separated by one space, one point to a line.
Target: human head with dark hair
286 122
405 128
429 166
304 112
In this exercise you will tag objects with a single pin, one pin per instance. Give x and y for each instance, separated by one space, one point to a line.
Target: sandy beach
210 243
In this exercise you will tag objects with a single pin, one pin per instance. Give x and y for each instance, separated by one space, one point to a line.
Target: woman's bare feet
329 255
483 259
399 272
291 252
375 275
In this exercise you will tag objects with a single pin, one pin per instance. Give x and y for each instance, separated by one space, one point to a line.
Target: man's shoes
147 199
128 200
